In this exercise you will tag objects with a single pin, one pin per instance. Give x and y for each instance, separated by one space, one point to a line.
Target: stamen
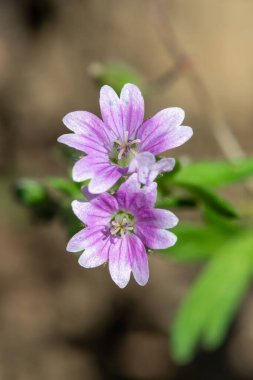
121 225
121 152
124 147
124 220
126 134
115 231
136 141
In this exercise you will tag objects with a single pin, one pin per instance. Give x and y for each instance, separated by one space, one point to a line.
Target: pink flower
147 168
119 230
111 144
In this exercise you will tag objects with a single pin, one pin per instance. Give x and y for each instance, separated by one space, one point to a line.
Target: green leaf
65 186
199 194
207 311
175 202
220 173
221 222
198 242
114 74
35 196
217 203
30 192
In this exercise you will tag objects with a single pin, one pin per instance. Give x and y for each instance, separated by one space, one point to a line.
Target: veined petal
77 242
150 192
96 212
86 167
87 238
129 194
96 255
157 218
146 167
83 143
88 124
111 111
139 259
105 176
141 159
82 169
106 203
119 261
161 166
165 165
163 131
155 238
132 109
131 197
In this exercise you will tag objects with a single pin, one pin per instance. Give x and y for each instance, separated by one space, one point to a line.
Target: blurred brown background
59 321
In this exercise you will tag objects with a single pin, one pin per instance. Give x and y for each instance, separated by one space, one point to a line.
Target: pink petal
77 242
131 197
142 164
157 218
150 192
82 169
88 124
106 203
104 178
96 212
96 255
155 238
163 131
111 111
165 165
86 238
139 259
86 167
132 109
119 262
86 144
99 169
80 209
122 114
146 167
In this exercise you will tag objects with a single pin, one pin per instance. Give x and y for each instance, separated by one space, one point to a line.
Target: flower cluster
120 221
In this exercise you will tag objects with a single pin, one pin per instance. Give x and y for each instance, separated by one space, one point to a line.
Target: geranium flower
147 168
120 228
111 144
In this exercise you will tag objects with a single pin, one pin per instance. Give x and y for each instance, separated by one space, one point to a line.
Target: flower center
123 151
121 224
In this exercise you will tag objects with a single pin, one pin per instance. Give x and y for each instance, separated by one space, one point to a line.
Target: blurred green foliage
209 307
115 74
223 237
214 174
